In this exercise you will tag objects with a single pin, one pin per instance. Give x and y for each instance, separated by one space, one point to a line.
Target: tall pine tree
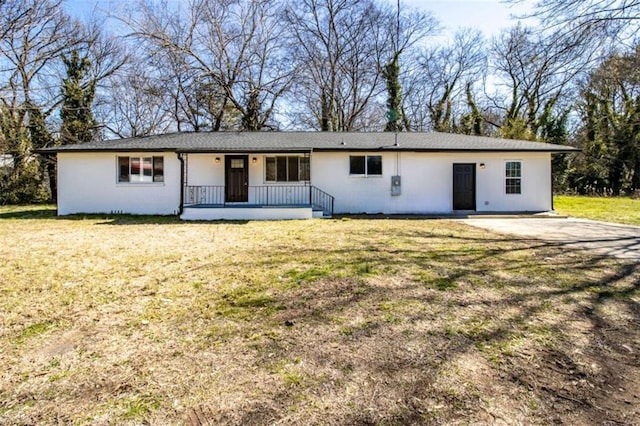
78 124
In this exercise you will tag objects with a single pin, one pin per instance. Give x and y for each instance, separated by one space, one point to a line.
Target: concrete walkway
609 239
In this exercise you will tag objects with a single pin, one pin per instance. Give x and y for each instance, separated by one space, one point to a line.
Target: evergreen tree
396 119
21 182
394 99
516 128
472 122
78 124
42 138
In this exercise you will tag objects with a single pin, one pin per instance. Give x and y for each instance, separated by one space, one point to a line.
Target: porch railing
199 194
322 200
279 195
266 195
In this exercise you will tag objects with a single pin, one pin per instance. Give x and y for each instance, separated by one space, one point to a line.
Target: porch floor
245 206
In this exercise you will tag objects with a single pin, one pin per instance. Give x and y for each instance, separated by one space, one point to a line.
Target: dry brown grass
116 320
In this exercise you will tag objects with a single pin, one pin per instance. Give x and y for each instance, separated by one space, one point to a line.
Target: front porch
264 202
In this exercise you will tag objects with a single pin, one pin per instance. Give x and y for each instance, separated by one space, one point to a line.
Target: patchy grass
609 209
40 211
148 320
33 330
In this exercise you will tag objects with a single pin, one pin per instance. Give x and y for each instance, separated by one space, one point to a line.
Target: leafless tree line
259 65
212 65
333 65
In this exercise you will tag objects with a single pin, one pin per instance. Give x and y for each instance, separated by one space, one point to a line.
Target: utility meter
395 185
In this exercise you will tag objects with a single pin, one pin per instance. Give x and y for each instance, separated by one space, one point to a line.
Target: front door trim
236 175
464 186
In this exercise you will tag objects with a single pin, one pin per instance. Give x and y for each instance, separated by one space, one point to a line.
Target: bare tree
342 48
260 70
609 134
97 56
402 31
533 74
30 49
36 34
596 20
439 83
12 11
164 37
338 59
224 56
136 105
105 51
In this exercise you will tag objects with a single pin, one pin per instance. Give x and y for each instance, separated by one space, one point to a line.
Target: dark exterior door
464 186
236 179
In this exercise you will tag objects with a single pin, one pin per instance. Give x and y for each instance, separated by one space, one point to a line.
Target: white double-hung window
513 177
140 169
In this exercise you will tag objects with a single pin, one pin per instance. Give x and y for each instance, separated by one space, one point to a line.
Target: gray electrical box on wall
395 185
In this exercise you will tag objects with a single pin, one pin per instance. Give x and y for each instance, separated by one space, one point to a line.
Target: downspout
181 207
310 181
551 173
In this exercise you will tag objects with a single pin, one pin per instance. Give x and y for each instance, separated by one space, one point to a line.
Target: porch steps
319 214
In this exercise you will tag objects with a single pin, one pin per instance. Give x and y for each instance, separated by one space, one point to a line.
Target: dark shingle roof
310 141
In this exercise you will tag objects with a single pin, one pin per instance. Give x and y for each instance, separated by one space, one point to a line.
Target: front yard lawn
146 320
609 209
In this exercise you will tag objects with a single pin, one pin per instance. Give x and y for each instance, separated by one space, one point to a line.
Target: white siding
87 183
203 170
427 182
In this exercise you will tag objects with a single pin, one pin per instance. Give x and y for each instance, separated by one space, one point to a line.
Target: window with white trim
290 168
513 176
140 169
365 165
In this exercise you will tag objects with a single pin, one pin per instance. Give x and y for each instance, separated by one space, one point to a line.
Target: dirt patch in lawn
119 321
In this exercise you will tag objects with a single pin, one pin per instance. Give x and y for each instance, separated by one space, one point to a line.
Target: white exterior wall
203 170
257 213
427 182
88 183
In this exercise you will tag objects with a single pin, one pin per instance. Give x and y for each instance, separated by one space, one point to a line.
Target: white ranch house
295 175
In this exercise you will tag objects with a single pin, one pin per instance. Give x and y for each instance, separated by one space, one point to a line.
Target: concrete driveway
622 241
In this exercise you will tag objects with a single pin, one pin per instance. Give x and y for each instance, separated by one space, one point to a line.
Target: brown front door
236 178
464 186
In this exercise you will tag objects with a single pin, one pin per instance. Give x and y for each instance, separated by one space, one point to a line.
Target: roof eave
110 149
243 150
400 149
